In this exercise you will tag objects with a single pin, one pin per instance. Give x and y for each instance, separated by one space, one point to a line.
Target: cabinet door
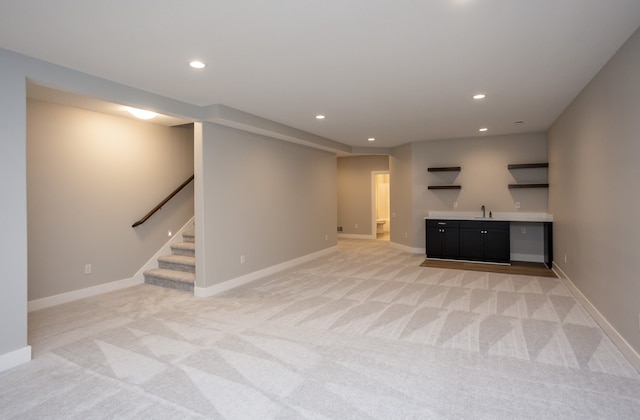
434 242
497 245
451 243
442 239
471 244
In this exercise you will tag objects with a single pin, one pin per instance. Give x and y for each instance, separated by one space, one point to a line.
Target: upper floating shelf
528 165
528 185
444 187
444 169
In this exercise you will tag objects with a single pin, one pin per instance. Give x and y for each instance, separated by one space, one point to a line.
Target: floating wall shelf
444 169
444 187
528 165
528 185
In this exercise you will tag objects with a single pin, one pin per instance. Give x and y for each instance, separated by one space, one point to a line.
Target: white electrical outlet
455 204
517 204
523 230
406 235
326 237
87 269
241 259
356 226
565 258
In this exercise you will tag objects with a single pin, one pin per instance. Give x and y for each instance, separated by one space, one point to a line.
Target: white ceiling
400 71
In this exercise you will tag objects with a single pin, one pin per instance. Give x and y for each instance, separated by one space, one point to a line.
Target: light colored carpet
364 333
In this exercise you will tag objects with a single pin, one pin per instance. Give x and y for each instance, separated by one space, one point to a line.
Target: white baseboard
165 250
15 358
355 236
35 305
629 352
248 278
528 258
408 249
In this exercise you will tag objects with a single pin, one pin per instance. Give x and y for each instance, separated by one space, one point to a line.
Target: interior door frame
374 232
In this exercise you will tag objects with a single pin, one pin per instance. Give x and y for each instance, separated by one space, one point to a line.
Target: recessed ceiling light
143 114
320 117
479 96
371 139
196 64
483 129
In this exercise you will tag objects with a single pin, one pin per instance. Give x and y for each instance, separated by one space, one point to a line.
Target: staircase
177 270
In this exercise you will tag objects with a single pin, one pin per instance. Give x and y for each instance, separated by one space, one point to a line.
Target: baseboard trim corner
48 302
15 358
629 352
203 292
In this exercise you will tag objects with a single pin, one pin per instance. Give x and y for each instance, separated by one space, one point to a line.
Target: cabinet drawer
442 223
484 224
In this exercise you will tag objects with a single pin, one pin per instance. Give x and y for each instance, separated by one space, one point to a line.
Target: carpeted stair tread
162 273
178 262
189 235
184 248
177 270
178 259
179 280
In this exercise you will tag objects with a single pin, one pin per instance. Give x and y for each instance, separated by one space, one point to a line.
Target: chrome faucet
482 208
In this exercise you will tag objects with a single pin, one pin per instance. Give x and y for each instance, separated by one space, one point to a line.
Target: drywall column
13 241
401 178
198 198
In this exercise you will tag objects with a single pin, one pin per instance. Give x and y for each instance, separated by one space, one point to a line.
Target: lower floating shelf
444 187
528 185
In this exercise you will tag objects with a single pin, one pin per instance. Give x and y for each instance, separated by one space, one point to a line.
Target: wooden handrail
163 202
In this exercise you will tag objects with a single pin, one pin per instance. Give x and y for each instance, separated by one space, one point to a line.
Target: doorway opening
381 205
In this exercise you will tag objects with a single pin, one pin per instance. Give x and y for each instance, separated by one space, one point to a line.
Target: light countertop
497 216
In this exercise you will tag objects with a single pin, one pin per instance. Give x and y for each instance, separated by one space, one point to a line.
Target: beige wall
269 200
355 194
594 149
484 176
89 177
